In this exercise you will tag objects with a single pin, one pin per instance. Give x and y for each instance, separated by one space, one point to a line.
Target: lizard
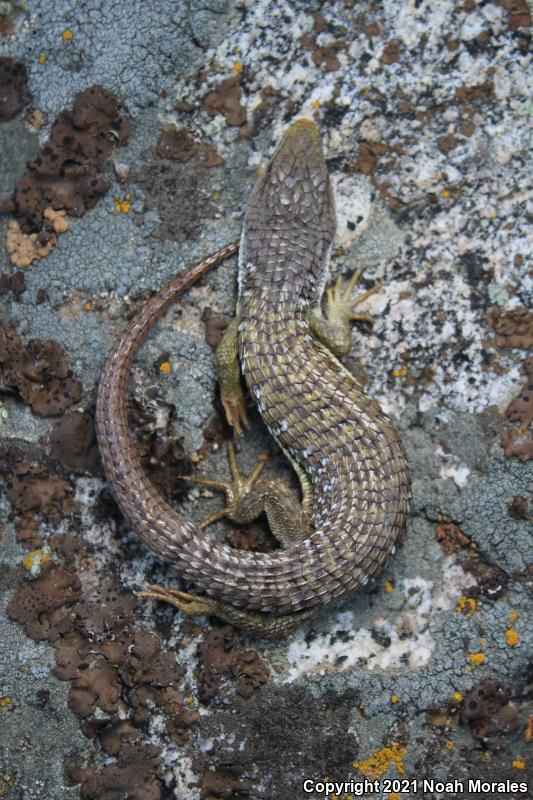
348 456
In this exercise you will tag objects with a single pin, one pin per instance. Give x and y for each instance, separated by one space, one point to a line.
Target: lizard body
347 454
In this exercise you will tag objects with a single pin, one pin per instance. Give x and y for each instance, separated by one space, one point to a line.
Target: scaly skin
348 454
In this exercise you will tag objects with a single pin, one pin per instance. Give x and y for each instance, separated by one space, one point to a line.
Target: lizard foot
190 604
235 410
341 302
235 491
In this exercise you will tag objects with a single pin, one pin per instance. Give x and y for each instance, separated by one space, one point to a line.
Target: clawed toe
235 490
340 300
190 604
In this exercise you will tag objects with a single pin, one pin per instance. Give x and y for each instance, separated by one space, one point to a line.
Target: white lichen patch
401 642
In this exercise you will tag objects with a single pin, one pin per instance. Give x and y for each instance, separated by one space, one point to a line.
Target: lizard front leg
334 330
229 377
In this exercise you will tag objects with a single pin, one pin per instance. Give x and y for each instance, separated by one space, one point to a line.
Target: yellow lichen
42 58
165 367
449 745
519 763
513 616
67 36
399 372
466 605
388 587
394 699
4 701
379 762
122 205
88 306
237 68
457 696
34 561
477 658
511 637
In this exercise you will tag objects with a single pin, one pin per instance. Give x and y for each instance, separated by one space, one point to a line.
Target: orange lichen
511 637
477 658
388 587
394 699
519 763
379 762
35 560
399 372
466 606
165 367
122 204
67 36
513 616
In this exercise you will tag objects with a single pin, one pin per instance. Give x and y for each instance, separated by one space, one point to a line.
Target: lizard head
289 222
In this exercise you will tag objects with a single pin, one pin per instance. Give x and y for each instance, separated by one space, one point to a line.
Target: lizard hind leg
271 626
248 498
236 490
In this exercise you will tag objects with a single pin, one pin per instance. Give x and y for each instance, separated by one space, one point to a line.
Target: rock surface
423 110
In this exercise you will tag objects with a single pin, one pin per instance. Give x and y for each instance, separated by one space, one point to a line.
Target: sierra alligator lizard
348 456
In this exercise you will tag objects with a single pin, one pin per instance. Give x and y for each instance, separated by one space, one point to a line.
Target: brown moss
514 328
38 372
451 537
487 711
490 581
447 143
226 100
162 453
14 92
392 52
133 775
519 13
519 441
66 173
12 282
518 508
73 443
176 143
33 604
218 658
223 782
